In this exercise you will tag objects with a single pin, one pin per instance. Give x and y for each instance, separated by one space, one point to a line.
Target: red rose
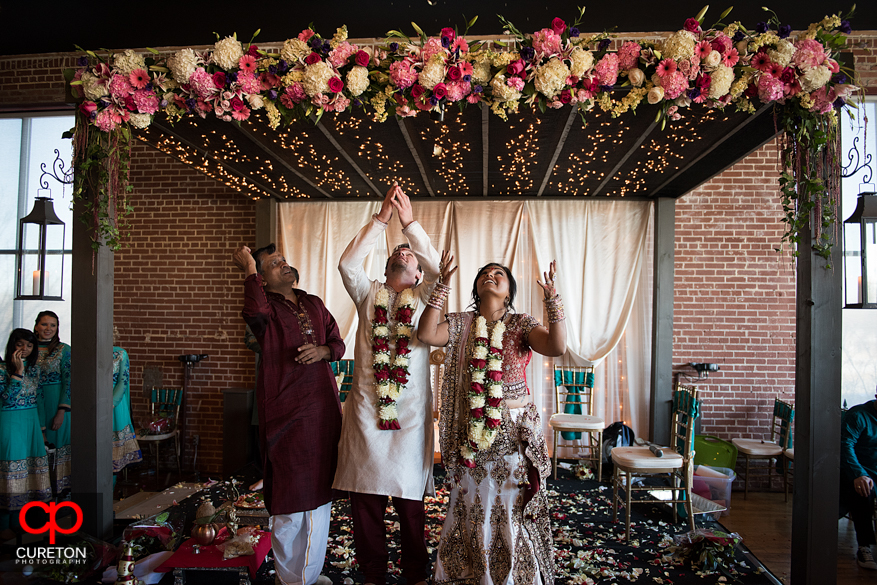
440 91
691 25
336 85
468 463
380 344
477 363
751 91
448 33
88 109
515 68
494 351
565 96
788 75
416 90
717 45
494 401
129 103
253 51
402 343
312 58
237 104
404 314
382 375
362 58
476 388
495 375
476 413
492 423
454 74
219 79
558 26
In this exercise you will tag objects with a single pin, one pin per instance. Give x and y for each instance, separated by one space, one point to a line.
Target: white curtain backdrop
601 248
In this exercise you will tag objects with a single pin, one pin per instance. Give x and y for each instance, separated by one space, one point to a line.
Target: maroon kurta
299 410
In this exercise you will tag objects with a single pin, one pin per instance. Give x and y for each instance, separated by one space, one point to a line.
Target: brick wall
176 291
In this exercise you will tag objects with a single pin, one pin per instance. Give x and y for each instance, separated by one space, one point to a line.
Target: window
26 142
859 377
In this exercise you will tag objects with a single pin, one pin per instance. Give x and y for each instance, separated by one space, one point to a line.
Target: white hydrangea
679 45
582 61
381 358
405 330
388 412
481 70
501 91
357 80
491 412
815 78
494 365
381 331
494 390
140 121
551 77
782 54
227 53
93 88
383 389
394 392
128 61
294 50
433 72
722 78
183 64
407 298
401 361
483 440
479 352
476 401
478 376
317 78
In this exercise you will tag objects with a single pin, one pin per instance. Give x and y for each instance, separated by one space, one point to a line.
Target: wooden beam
818 332
230 169
246 132
92 376
630 152
266 222
661 382
485 148
348 158
558 148
417 153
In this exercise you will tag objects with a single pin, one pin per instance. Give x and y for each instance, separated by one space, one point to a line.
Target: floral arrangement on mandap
720 66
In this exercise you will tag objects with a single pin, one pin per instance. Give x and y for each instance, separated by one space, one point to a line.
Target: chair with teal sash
343 370
164 422
574 415
772 449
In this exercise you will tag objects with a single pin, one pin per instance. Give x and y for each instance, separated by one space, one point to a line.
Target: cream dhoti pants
299 543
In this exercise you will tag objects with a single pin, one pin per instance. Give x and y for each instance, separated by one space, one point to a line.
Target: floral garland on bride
391 373
485 366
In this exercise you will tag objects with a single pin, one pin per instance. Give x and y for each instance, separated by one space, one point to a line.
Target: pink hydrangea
457 90
628 55
120 86
809 53
722 43
770 89
516 83
433 47
607 69
402 75
342 53
341 103
822 98
146 101
104 121
546 41
202 83
249 83
674 85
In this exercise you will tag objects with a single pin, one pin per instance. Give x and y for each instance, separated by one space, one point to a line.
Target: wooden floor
765 523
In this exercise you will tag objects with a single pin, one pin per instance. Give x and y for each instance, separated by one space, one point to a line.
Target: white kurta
371 461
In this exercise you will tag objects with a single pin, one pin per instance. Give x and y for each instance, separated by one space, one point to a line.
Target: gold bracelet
554 306
439 296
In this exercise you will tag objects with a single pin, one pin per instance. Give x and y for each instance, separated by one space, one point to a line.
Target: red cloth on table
211 557
299 409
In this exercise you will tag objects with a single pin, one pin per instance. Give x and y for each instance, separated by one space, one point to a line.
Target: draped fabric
603 257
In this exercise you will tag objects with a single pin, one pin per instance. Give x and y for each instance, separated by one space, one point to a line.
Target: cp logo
51 525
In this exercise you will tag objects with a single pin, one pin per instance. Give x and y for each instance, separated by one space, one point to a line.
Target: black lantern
40 253
860 254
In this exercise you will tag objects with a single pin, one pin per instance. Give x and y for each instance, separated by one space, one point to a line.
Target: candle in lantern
45 274
860 290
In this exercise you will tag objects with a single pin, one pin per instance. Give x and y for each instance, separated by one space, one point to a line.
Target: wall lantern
40 253
860 254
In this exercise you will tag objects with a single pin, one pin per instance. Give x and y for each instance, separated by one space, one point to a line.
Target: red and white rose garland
485 390
391 373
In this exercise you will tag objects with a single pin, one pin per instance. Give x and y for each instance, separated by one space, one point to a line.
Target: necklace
391 372
485 389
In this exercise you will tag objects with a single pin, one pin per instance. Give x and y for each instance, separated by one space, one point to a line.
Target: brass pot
204 534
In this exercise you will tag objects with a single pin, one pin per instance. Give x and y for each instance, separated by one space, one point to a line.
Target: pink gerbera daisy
703 49
731 57
666 67
138 78
247 63
775 70
761 61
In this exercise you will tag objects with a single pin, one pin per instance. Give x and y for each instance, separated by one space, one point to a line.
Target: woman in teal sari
24 469
125 447
54 362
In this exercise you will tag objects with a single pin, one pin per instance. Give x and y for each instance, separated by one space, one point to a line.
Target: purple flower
845 27
467 78
315 42
326 46
527 53
272 69
761 27
446 42
272 94
283 66
785 30
394 47
694 92
839 78
839 103
149 86
574 32
232 77
433 101
477 89
164 103
191 103
82 61
604 44
739 36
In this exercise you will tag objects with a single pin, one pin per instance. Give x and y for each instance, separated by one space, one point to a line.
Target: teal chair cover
345 366
562 378
786 413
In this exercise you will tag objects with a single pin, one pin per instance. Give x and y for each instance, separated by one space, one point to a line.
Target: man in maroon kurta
299 410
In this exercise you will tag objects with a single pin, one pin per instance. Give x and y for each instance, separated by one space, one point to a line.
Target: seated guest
24 467
858 471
